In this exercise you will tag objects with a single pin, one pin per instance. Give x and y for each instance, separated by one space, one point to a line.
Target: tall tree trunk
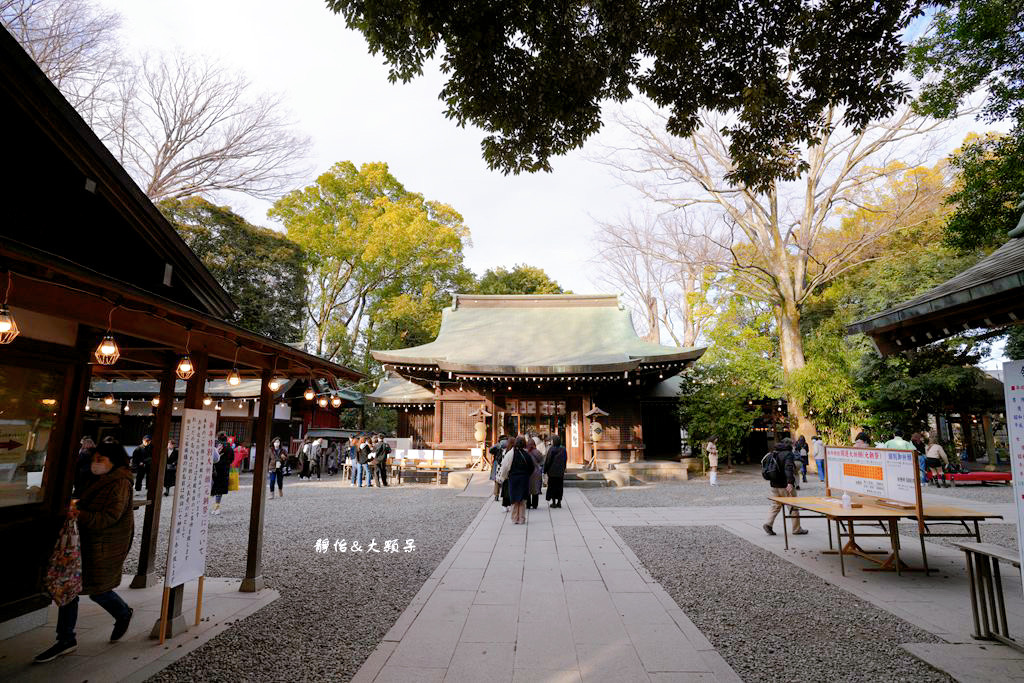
791 349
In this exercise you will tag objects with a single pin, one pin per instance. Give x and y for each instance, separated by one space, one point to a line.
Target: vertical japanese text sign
1013 388
190 516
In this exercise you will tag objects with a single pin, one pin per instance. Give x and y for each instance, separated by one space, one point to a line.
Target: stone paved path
560 598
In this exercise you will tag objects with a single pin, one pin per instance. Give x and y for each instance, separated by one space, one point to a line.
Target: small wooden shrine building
537 364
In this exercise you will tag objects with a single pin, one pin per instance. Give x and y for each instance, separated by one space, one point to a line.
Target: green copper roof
399 390
549 334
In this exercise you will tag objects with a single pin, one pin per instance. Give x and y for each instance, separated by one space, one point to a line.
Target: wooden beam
253 580
157 320
145 576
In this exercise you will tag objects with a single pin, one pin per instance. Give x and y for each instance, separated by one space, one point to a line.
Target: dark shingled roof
988 294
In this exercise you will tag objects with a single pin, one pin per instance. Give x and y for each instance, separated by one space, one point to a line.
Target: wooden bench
980 477
987 606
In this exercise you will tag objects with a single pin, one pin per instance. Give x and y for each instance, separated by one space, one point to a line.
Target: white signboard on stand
190 516
1013 389
877 472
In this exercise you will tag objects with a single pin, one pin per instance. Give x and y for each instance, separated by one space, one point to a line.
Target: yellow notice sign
13 441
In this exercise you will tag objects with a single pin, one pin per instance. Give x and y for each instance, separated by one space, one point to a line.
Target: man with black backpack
780 471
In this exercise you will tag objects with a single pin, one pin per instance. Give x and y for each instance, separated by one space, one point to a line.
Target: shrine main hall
543 364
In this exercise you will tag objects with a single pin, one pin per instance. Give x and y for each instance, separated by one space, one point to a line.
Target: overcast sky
340 96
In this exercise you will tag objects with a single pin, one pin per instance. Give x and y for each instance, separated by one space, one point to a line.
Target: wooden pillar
437 417
195 389
585 451
145 576
253 580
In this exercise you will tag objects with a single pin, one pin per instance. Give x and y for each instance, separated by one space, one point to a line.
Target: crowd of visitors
518 468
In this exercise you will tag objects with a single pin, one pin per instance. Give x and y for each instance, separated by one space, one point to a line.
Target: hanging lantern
108 399
309 394
8 327
207 401
185 368
87 408
336 401
234 379
127 405
107 352
218 405
322 402
275 383
155 401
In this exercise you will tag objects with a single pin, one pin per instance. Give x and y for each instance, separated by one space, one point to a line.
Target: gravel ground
334 608
771 620
1000 534
987 493
744 487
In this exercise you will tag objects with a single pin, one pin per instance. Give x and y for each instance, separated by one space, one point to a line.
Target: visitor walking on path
516 468
818 450
106 526
537 477
380 455
171 470
364 462
554 466
711 448
277 457
801 460
496 451
353 459
935 460
920 445
221 468
780 471
141 457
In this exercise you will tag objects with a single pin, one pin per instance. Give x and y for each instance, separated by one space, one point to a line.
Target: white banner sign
1013 389
877 472
574 430
190 516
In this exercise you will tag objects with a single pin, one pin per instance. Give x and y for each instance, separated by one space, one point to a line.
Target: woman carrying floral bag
106 524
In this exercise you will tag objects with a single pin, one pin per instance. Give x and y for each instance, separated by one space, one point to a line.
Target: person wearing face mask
106 525
277 457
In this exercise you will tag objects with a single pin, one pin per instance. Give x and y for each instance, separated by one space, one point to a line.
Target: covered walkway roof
988 295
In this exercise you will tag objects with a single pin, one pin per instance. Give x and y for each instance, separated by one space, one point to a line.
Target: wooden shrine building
97 285
537 364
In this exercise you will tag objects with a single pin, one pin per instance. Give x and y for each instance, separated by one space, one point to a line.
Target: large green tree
534 74
522 279
262 270
377 252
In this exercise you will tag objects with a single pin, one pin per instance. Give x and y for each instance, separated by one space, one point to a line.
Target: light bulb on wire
8 327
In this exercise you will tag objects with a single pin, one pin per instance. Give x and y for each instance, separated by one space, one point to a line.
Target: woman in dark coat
221 468
516 468
537 476
554 467
106 526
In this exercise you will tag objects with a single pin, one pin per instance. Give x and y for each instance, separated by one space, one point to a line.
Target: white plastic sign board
190 516
877 472
1013 389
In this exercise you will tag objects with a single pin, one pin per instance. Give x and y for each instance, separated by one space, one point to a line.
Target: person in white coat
711 448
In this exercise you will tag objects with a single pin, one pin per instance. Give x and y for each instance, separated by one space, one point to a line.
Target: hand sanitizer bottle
846 501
